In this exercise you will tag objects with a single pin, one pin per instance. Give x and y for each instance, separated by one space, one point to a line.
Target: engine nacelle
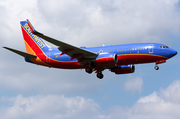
123 69
106 59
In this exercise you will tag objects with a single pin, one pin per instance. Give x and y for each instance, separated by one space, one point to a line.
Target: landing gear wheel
88 70
156 67
100 75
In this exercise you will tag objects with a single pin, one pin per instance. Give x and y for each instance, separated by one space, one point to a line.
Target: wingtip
6 48
31 27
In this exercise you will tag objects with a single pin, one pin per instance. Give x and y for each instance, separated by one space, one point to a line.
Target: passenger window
132 48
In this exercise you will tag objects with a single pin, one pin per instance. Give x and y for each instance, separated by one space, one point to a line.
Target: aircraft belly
138 59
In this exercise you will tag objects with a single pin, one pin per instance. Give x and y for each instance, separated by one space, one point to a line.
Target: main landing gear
100 75
90 70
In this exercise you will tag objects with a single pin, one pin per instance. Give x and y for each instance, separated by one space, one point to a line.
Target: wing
21 53
82 55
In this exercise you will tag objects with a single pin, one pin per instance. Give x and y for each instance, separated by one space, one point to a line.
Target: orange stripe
31 39
35 60
39 61
28 49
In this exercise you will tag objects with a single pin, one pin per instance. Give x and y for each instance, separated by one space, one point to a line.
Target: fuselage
135 53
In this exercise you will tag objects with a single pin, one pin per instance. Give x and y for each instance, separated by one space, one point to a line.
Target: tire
100 75
156 68
88 70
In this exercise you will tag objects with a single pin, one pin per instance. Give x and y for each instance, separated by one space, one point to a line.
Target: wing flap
21 53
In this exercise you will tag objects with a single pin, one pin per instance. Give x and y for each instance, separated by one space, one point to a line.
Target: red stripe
31 42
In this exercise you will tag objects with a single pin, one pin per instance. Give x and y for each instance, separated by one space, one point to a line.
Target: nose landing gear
159 62
156 67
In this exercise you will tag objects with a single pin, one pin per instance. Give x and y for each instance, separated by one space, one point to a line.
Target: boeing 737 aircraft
119 59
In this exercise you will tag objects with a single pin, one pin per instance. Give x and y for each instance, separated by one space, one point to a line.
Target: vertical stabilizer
34 44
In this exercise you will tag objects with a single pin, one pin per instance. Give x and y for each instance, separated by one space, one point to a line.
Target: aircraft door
150 49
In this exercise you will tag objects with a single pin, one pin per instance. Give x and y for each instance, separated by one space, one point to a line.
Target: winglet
31 27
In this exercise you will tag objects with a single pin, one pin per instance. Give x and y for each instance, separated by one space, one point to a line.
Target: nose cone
173 52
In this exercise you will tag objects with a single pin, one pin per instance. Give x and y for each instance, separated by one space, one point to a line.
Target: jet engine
106 59
123 69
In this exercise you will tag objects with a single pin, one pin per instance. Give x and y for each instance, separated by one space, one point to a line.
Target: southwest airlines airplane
119 59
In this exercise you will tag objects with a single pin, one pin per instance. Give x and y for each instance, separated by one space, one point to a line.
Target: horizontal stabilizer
21 53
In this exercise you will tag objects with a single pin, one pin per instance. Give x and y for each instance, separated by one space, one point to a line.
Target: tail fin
34 44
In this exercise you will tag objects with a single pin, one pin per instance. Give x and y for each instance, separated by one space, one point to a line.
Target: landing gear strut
100 75
89 70
159 62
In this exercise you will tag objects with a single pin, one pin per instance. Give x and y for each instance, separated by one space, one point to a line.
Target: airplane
119 59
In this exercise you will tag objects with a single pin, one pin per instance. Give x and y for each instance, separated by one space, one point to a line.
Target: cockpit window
163 46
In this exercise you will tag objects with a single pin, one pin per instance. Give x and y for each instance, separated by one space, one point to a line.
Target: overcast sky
35 92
